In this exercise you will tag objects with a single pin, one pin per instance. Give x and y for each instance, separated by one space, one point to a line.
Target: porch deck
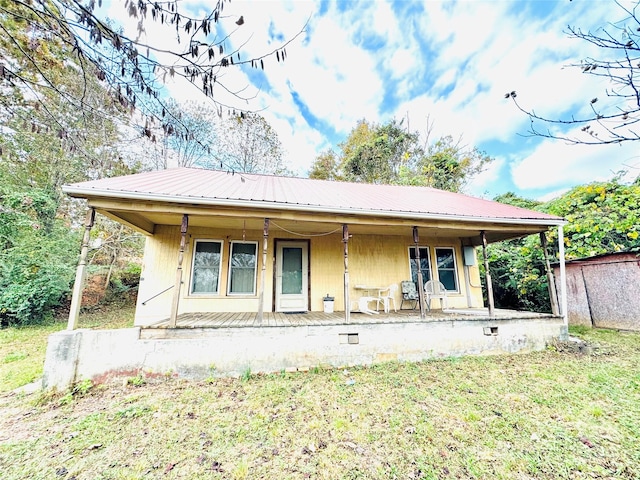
280 319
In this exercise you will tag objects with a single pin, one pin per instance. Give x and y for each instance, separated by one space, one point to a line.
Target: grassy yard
22 349
546 415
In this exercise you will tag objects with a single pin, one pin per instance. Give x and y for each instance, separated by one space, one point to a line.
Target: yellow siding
326 264
374 260
158 273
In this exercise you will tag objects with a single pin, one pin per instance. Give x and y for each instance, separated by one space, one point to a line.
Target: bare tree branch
133 69
614 118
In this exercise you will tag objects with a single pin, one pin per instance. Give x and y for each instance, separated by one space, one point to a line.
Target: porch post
347 303
263 274
487 273
78 284
563 277
416 240
173 319
551 283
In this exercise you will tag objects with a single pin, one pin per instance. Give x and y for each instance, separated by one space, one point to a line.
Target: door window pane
446 263
292 270
242 269
424 265
206 267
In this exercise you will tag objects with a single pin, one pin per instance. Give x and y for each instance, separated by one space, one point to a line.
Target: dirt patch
94 291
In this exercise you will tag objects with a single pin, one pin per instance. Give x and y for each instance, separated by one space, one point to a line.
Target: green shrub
35 275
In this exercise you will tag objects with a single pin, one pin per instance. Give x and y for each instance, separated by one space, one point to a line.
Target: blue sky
447 63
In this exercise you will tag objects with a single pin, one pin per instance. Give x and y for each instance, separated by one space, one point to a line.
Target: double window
207 268
445 263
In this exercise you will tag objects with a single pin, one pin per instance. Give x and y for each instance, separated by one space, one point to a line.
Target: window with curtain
446 264
425 265
242 268
205 271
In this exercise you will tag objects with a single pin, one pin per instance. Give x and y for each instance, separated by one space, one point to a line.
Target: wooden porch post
551 282
263 274
78 284
563 277
487 273
416 240
173 319
347 303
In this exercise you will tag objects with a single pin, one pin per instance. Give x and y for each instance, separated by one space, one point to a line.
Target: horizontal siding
374 260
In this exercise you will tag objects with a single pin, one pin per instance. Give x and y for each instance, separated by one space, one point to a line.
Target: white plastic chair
363 305
434 289
386 297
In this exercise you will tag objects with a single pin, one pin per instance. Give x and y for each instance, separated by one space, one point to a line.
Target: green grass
554 414
22 349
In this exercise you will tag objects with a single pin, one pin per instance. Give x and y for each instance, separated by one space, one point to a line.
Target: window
205 276
446 263
425 265
242 268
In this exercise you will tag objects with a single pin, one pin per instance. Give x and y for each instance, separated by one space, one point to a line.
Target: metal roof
211 187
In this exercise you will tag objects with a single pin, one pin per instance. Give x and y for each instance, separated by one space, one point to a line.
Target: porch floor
280 319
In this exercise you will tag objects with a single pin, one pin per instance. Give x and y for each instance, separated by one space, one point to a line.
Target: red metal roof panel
195 185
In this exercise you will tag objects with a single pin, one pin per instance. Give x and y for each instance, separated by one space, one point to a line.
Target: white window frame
455 267
230 271
193 261
430 269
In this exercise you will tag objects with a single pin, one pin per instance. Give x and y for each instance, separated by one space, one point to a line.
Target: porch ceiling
313 224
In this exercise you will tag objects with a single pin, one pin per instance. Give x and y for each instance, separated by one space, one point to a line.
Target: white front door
292 277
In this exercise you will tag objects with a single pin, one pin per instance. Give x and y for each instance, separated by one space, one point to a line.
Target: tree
36 263
46 142
603 217
325 166
194 146
517 267
615 116
247 143
375 153
448 165
391 154
132 69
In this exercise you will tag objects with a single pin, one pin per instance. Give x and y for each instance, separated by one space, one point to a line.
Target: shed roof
210 187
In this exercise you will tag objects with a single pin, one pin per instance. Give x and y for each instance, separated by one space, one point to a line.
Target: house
237 267
603 291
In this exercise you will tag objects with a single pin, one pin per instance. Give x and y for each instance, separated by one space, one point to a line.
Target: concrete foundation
199 353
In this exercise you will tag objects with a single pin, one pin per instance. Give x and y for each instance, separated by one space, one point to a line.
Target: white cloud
555 164
482 49
482 184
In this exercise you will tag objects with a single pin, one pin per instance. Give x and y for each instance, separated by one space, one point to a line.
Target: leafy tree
390 154
517 267
448 165
325 166
603 217
36 263
615 116
375 153
59 125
